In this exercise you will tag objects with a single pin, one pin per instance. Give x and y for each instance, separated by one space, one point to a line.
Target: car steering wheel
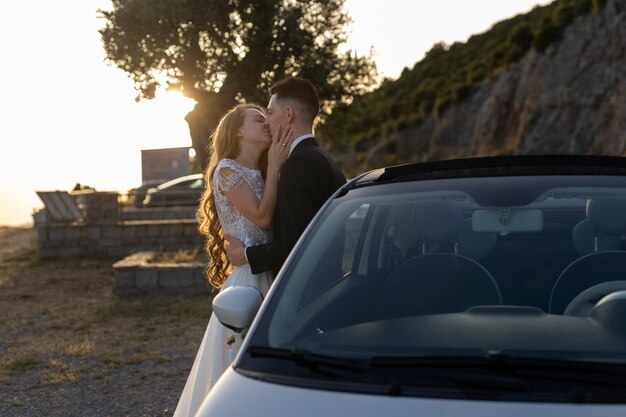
582 304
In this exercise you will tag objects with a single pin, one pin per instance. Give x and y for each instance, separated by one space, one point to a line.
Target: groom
306 179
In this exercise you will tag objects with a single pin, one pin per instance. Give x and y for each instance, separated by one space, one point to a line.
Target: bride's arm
243 198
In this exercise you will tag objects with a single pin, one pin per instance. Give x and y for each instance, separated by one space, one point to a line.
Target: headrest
583 239
608 217
475 245
437 222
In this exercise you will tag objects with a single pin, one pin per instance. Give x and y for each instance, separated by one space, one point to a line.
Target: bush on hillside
447 74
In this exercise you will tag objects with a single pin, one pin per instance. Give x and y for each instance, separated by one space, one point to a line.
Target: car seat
597 239
434 283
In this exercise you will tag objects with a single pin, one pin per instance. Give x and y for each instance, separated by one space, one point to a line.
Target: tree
222 52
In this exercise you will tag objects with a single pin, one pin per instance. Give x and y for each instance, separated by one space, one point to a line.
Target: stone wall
157 213
98 207
101 232
136 275
116 240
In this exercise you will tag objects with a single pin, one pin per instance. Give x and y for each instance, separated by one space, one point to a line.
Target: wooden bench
60 206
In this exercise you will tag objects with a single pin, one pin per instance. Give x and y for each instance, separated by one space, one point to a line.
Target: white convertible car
477 287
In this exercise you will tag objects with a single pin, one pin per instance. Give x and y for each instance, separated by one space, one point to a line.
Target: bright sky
66 117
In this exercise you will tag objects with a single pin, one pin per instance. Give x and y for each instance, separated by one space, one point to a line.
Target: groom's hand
235 251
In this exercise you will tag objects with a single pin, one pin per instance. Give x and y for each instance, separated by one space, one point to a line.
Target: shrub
583 7
460 92
598 5
449 74
441 105
547 34
515 53
564 15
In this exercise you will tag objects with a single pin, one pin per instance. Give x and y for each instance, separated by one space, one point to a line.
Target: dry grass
65 331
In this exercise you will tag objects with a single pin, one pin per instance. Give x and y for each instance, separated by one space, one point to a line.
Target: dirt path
70 347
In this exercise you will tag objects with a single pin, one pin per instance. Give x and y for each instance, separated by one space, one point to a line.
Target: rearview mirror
507 220
235 307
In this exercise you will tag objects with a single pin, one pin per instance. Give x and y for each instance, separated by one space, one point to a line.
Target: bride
239 201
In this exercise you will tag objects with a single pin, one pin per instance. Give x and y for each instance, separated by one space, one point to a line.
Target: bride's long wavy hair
223 144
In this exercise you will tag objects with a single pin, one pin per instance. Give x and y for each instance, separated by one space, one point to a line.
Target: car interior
576 248
449 255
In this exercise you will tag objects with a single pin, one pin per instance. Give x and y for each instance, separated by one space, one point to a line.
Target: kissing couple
266 179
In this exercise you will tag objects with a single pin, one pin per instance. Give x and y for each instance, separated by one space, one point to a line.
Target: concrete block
42 233
72 233
44 244
138 243
199 278
93 232
176 229
90 250
71 252
128 232
124 278
48 253
117 251
172 243
140 230
191 229
153 230
107 242
176 277
56 233
112 232
146 278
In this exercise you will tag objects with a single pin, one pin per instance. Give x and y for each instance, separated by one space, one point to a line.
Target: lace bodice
233 222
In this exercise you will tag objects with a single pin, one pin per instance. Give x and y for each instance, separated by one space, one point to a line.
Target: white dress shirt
297 140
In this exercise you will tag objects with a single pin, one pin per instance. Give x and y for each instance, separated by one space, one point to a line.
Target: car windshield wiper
596 373
589 372
305 358
493 370
455 369
329 365
323 363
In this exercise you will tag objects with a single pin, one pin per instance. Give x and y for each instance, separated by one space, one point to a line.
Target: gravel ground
71 347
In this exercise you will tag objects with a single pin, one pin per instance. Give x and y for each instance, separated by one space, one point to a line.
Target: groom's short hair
300 90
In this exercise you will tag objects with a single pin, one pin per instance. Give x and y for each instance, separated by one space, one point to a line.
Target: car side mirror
235 307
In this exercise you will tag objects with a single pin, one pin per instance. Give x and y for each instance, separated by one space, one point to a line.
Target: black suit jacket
306 180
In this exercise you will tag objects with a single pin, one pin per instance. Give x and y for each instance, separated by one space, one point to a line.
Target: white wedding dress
220 345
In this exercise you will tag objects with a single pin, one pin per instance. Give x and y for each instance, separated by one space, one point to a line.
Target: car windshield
468 267
197 184
192 182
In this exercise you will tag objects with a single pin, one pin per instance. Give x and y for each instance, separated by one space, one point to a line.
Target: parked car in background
137 195
182 191
476 287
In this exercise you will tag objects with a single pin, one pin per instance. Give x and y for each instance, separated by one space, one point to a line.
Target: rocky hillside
569 98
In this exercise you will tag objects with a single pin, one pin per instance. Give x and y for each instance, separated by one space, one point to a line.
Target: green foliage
521 36
441 104
224 52
547 34
564 14
446 75
598 5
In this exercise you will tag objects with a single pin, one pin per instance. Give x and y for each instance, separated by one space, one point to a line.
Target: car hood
241 396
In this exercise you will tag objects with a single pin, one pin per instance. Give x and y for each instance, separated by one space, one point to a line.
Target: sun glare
173 102
95 136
